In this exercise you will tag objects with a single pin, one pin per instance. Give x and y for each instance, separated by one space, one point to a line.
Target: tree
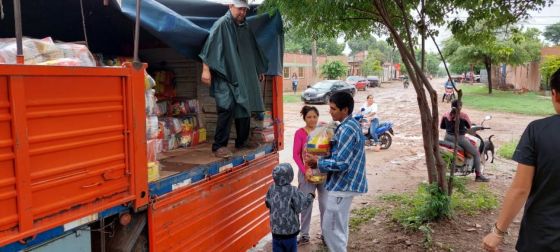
399 21
295 42
514 48
333 69
549 65
371 66
552 33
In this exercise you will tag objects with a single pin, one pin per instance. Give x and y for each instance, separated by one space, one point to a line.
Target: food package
174 124
186 138
153 171
159 146
152 127
263 135
317 177
151 102
202 135
152 150
78 52
46 52
149 82
171 143
161 109
318 141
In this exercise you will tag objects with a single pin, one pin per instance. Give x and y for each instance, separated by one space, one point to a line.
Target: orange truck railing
72 144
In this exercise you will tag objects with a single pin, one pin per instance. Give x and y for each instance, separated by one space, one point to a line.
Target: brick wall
301 65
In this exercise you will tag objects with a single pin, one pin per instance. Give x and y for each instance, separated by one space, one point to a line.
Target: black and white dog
488 147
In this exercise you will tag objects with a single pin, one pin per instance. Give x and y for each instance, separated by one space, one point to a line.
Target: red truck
73 152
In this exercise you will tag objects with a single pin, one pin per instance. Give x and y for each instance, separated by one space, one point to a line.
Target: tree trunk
488 65
429 118
314 59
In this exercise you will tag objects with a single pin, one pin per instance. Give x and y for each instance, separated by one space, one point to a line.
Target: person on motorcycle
448 85
369 111
448 123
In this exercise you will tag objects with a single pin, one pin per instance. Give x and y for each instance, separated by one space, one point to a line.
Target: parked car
321 91
358 81
373 81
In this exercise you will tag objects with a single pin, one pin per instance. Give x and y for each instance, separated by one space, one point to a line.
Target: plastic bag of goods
317 177
152 127
161 109
318 141
152 150
77 52
149 82
151 102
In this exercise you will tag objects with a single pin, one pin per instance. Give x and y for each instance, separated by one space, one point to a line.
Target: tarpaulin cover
184 26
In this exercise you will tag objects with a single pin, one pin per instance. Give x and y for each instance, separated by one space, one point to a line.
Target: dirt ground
402 167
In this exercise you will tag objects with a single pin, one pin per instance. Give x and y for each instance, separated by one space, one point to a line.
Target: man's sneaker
481 178
303 240
223 152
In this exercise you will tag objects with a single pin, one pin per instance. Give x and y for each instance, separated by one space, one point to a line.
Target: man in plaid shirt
345 167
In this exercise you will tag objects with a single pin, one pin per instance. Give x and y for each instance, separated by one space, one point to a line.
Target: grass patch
529 103
291 98
362 215
413 211
506 150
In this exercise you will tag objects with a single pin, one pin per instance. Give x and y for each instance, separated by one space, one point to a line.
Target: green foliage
429 204
333 69
506 150
371 66
506 101
433 60
361 216
291 98
552 33
297 42
549 65
471 203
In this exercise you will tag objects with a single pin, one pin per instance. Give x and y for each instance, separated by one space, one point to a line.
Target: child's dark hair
555 81
343 100
306 110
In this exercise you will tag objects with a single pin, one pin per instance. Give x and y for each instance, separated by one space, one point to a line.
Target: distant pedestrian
295 81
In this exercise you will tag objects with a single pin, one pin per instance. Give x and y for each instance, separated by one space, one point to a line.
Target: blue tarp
184 25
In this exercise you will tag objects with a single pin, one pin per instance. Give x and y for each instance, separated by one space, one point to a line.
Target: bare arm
513 202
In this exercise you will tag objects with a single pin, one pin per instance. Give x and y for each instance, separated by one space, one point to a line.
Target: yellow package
153 171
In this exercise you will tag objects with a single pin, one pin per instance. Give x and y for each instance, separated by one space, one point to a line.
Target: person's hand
491 241
308 174
311 161
261 77
206 76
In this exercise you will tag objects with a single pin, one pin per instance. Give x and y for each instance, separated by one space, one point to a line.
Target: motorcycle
384 132
449 95
464 161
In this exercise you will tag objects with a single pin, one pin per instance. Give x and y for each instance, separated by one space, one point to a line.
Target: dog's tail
490 138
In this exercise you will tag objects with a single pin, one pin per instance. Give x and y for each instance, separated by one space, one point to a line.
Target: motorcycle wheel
386 140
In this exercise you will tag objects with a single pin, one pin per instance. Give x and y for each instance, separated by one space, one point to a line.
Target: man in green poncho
233 64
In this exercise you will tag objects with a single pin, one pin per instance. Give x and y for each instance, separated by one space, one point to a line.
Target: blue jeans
288 245
372 128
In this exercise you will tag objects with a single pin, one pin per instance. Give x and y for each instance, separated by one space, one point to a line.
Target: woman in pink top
310 115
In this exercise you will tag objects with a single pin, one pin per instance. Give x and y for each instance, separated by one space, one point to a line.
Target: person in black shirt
448 123
536 184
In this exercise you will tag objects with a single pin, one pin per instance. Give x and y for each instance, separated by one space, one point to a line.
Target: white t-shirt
369 109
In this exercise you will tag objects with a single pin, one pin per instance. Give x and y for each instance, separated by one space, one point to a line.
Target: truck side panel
223 213
65 148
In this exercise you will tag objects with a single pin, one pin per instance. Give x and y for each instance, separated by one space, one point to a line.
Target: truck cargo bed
183 167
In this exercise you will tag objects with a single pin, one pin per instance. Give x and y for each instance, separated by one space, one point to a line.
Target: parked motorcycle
464 161
384 132
449 95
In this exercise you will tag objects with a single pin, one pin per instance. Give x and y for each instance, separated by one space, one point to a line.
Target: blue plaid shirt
347 162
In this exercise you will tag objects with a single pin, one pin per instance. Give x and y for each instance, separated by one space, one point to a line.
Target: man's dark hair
343 100
307 109
555 81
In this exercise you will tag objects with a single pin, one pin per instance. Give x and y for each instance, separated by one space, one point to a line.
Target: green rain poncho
235 59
